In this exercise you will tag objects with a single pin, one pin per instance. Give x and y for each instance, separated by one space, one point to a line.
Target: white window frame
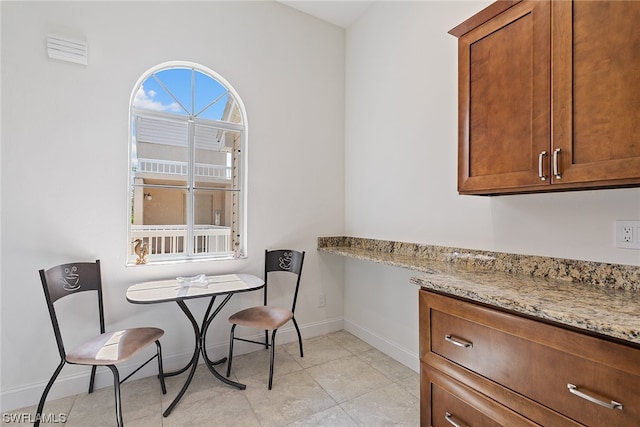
238 251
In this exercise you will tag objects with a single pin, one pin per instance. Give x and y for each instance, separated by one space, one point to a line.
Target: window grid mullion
191 190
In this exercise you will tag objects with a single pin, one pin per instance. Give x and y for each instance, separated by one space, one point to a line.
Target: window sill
132 263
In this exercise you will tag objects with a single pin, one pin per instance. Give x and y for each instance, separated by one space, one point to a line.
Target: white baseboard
71 384
406 357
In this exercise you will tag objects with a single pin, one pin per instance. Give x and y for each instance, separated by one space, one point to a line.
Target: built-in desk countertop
598 298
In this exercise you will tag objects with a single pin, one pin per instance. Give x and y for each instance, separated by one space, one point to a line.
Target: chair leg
272 357
116 386
230 358
92 380
266 339
46 392
160 370
299 336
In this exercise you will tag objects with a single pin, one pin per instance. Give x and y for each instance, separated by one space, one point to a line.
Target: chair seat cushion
262 317
113 347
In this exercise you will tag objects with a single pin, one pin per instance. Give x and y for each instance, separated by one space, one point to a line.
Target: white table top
173 290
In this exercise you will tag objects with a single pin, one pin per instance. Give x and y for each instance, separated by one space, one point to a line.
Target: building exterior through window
187 166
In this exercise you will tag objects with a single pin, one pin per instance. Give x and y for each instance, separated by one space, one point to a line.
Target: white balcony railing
171 167
168 241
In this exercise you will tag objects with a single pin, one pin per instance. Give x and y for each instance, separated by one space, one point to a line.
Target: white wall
64 161
401 160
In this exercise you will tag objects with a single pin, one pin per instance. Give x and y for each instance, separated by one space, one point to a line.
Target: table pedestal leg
208 361
200 347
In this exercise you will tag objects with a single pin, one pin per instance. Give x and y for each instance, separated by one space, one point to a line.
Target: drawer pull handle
458 341
611 405
452 420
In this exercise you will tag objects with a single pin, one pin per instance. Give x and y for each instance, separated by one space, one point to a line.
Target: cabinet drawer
453 403
541 362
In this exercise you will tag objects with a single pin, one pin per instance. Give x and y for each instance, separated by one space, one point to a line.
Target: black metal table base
200 332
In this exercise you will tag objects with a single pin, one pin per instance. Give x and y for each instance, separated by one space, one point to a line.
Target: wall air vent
67 49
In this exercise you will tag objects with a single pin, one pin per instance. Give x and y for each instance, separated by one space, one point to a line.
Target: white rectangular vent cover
67 49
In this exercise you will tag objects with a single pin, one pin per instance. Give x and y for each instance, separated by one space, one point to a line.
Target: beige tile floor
341 381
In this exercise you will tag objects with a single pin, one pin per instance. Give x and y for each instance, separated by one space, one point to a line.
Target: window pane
210 97
160 151
216 150
162 206
172 87
213 208
153 96
214 221
160 219
231 112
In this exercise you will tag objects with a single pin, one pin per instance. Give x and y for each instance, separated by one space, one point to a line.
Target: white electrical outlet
322 301
628 234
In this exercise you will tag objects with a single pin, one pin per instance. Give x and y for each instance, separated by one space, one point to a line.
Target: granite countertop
606 311
595 297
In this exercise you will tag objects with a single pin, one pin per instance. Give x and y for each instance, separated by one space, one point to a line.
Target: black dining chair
106 349
266 317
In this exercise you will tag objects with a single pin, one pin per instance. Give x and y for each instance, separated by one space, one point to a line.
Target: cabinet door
504 101
596 92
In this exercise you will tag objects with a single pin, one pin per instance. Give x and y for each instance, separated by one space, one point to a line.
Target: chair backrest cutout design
68 279
286 260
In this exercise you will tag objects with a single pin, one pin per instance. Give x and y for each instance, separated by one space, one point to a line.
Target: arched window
187 173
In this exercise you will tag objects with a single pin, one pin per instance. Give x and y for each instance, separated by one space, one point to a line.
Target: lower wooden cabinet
487 367
454 404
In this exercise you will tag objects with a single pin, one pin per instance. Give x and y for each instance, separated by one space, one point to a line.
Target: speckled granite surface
597 297
606 311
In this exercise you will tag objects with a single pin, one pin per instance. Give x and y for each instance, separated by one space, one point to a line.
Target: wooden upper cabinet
549 97
504 99
596 90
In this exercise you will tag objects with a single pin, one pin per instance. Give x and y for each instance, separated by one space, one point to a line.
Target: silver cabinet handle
611 405
458 341
541 174
556 168
452 420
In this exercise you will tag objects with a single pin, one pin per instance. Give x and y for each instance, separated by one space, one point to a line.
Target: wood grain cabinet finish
547 374
549 97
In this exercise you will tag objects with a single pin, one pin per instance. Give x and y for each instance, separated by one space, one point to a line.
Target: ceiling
342 13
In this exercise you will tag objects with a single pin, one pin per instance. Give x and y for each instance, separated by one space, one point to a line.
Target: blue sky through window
153 96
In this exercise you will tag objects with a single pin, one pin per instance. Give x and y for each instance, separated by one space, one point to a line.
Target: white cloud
146 100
